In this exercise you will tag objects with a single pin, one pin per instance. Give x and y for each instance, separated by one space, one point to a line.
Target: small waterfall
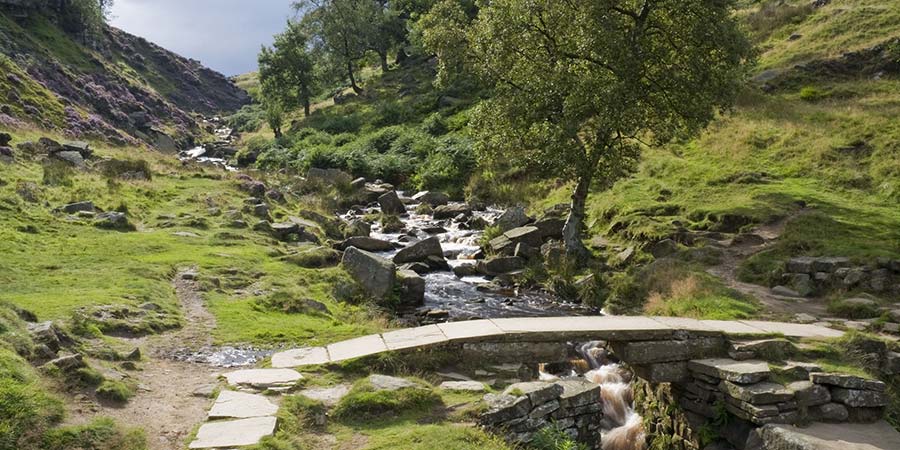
622 427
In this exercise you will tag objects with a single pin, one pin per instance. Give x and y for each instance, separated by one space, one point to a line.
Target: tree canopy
578 87
287 70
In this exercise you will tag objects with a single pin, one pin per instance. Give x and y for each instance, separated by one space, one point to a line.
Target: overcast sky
224 34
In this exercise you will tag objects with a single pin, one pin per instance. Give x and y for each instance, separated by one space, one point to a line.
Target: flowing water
622 427
472 296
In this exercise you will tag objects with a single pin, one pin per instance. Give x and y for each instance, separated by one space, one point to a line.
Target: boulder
412 289
357 227
73 208
420 251
464 386
68 363
6 152
743 372
550 227
513 218
73 159
48 146
113 220
365 243
5 139
83 148
432 198
526 235
358 183
391 204
859 398
829 413
501 265
375 274
450 211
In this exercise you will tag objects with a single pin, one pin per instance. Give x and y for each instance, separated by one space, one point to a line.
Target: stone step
233 433
240 405
822 436
263 378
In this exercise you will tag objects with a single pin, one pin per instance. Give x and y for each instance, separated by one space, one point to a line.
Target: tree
274 116
579 86
343 28
286 71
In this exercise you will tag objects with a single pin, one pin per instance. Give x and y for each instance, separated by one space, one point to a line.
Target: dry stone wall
523 409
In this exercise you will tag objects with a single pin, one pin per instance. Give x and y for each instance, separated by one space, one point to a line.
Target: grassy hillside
118 88
812 139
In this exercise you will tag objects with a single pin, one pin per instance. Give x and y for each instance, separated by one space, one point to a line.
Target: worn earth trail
774 306
166 405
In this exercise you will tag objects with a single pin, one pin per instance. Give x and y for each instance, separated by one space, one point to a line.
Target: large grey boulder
73 208
113 220
551 227
71 158
450 211
821 436
412 289
357 228
512 218
432 198
420 251
365 243
391 204
501 265
375 274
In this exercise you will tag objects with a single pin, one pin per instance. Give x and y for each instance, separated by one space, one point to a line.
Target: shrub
773 14
811 94
434 125
248 119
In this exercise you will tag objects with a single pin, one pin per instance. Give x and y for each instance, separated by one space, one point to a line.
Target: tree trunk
306 108
352 78
384 61
575 249
277 131
401 56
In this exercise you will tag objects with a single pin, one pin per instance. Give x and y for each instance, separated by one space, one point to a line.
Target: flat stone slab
743 372
466 386
732 327
413 337
240 405
687 324
470 330
356 348
823 436
300 357
263 378
795 329
388 383
598 327
328 396
234 433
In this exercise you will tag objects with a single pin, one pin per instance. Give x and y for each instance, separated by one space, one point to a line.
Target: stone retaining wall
812 276
523 409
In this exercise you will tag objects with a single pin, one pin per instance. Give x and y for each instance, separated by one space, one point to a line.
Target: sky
225 35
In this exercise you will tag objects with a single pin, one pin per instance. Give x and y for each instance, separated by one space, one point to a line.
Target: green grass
363 403
53 266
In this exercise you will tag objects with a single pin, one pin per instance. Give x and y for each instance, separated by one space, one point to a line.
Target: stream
470 297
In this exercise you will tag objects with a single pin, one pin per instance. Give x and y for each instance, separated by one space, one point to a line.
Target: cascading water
622 426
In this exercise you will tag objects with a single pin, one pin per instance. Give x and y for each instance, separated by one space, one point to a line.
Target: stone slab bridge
657 348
